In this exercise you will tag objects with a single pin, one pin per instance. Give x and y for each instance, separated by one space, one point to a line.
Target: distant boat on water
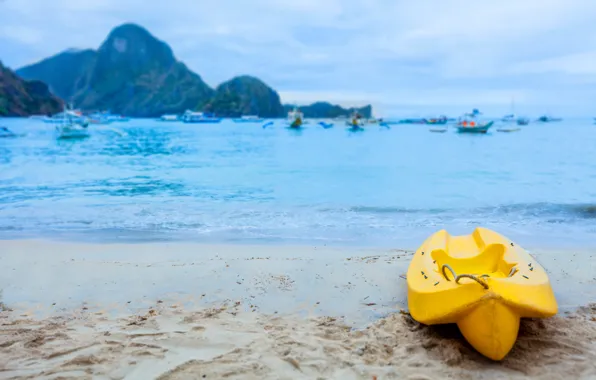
511 118
200 117
441 120
106 117
548 119
58 118
169 118
413 121
70 125
469 123
5 132
523 121
356 122
295 118
249 119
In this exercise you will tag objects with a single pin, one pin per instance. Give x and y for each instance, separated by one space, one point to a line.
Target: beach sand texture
249 312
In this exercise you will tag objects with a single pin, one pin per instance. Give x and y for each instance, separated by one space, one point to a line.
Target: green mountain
132 73
135 74
19 97
245 95
324 110
64 73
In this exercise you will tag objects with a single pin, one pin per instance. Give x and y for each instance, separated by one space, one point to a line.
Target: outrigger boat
71 125
5 132
441 120
470 124
355 123
249 119
295 118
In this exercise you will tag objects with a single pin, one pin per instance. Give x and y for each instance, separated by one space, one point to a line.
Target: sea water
147 180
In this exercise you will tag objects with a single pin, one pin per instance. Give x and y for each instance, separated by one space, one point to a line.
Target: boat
5 132
412 121
71 125
469 123
438 130
295 118
119 118
511 118
508 129
523 121
199 117
472 127
59 117
441 120
169 118
101 118
548 119
249 119
483 282
355 122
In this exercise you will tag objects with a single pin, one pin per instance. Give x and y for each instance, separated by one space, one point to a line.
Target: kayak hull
483 282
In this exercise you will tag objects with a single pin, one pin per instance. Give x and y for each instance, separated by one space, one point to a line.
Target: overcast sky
402 56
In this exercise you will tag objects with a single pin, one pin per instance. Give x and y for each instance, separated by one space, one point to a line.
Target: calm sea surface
239 183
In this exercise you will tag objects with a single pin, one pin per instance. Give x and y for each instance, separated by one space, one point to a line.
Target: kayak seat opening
488 261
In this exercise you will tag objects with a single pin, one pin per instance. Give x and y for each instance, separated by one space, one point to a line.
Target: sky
405 57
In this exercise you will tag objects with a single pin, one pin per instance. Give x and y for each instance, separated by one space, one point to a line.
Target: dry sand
185 311
226 342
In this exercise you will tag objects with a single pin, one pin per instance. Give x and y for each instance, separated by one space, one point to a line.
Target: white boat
101 118
508 129
169 118
438 130
249 119
71 125
199 117
59 117
509 118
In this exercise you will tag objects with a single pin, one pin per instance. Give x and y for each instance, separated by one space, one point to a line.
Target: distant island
324 110
135 74
19 97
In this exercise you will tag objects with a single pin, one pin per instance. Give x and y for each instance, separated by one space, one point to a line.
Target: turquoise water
240 183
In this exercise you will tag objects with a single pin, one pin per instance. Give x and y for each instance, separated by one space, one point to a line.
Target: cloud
397 53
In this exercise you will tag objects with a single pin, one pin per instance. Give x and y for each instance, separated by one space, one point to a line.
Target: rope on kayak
458 277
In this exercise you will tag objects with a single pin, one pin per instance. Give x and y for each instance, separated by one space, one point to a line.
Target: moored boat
438 130
249 119
508 129
169 117
200 117
523 121
548 119
71 125
482 282
441 120
295 118
473 127
5 132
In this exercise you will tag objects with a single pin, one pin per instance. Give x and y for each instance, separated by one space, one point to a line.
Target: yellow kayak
483 282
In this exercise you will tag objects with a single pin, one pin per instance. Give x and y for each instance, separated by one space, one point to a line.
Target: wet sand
175 311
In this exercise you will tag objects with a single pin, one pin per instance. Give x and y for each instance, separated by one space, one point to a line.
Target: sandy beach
179 311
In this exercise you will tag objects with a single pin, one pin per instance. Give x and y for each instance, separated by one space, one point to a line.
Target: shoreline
47 276
179 310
